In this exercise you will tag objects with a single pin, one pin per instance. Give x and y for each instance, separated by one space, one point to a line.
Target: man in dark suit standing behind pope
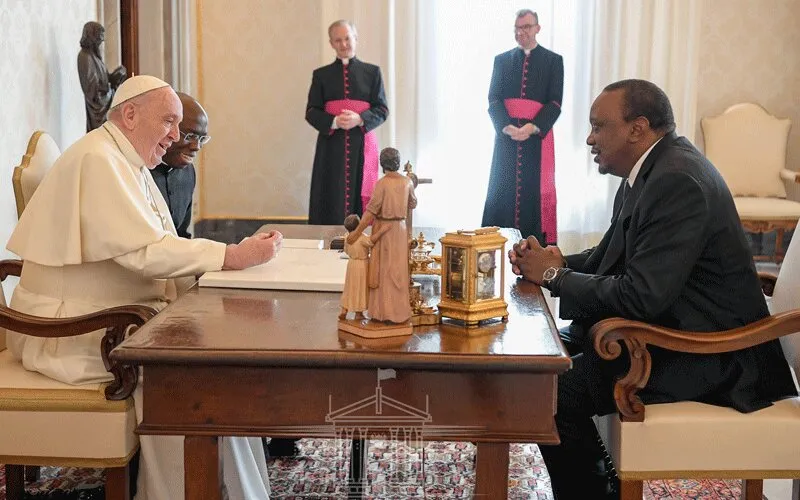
676 256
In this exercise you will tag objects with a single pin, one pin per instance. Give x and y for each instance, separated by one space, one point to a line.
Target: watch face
485 262
550 273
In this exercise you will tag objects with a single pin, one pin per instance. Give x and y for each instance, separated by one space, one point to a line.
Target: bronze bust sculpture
98 85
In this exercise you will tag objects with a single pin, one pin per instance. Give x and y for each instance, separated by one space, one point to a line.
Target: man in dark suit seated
175 176
676 256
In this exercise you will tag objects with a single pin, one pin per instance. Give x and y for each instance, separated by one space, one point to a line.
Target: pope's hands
348 119
253 250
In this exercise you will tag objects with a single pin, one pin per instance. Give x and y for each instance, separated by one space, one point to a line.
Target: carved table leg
202 469
491 478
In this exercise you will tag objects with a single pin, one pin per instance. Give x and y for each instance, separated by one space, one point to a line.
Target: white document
294 243
293 269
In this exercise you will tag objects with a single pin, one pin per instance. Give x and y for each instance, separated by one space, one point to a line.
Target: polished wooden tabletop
219 326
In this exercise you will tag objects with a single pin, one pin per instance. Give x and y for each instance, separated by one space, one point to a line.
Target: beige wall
750 51
255 66
39 86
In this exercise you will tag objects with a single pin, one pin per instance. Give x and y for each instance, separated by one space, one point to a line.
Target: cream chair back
748 147
39 157
786 296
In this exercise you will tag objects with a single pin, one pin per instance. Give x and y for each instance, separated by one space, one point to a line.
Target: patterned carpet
394 471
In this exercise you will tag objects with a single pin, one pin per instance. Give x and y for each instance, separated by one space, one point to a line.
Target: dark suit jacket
177 188
676 256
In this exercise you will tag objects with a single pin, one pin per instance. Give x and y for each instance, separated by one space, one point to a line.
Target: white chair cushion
748 147
46 422
766 208
45 153
689 436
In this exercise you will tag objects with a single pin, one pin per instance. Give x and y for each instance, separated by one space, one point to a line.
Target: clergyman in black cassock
346 159
525 93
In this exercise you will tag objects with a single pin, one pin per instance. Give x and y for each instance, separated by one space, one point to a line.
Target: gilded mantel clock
473 270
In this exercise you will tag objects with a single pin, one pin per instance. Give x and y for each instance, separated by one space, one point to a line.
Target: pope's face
156 124
343 41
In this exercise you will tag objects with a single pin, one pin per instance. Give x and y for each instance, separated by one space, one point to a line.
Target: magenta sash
526 109
370 170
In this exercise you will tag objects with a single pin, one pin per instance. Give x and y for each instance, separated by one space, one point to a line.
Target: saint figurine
388 264
98 85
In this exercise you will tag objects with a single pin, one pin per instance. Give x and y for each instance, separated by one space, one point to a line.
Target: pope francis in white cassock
97 233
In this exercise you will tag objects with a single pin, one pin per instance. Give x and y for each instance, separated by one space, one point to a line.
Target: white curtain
437 55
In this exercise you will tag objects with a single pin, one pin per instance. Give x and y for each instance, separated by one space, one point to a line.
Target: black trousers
577 466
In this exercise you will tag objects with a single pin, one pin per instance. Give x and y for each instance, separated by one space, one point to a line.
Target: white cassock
96 234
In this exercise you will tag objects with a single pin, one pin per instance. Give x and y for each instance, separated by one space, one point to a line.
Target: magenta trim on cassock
370 171
526 109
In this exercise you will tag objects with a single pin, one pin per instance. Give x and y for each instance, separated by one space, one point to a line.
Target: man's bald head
193 129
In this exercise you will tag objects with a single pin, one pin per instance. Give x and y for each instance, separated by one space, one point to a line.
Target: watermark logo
398 431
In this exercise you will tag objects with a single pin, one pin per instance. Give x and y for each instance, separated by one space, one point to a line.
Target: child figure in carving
356 293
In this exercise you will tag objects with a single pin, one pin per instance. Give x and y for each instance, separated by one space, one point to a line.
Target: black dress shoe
282 447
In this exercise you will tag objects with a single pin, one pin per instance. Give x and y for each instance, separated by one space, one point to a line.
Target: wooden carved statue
98 85
356 290
388 264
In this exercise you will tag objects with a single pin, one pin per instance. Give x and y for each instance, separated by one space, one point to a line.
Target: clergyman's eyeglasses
192 137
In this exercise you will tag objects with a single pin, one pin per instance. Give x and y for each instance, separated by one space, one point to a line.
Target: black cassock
336 180
521 191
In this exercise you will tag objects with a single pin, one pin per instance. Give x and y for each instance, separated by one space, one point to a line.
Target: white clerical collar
635 171
528 51
345 60
124 145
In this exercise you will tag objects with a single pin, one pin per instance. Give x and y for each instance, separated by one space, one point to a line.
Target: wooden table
228 362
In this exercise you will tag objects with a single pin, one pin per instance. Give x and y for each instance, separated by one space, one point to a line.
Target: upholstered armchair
40 155
696 440
46 422
748 147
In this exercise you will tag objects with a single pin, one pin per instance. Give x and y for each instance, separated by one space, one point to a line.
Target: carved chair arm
768 281
117 321
609 334
10 267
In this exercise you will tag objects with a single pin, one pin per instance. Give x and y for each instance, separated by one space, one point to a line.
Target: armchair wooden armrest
609 334
790 175
10 267
117 321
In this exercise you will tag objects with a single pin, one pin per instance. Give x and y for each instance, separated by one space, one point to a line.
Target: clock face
486 262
